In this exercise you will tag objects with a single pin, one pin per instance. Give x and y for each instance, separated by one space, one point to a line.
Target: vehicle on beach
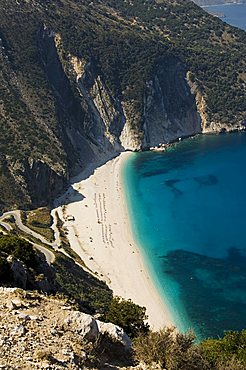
70 218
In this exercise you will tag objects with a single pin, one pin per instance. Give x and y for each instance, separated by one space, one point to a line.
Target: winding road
50 256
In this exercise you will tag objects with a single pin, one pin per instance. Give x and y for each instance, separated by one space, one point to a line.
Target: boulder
83 324
89 328
115 332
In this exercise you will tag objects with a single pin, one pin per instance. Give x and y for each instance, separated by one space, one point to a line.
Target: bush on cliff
167 349
19 248
5 272
128 315
229 351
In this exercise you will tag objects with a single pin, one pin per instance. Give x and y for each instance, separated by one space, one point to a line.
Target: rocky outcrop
14 272
89 328
19 272
170 108
38 180
115 332
82 324
45 332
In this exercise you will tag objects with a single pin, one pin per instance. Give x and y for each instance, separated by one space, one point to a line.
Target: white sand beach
101 235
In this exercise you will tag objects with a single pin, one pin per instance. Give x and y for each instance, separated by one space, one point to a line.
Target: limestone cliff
170 106
108 125
81 86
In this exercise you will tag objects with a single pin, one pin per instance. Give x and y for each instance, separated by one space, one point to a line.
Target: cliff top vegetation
125 41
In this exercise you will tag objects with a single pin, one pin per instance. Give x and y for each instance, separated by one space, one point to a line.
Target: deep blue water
187 208
235 14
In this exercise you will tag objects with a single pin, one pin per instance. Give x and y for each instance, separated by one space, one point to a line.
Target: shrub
169 350
226 351
19 248
128 315
5 272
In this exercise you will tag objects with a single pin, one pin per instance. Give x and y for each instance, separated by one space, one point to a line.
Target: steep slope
82 81
47 332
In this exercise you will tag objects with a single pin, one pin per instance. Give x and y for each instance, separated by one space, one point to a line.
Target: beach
98 228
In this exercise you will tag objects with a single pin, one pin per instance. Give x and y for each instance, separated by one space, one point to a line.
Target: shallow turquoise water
187 209
235 14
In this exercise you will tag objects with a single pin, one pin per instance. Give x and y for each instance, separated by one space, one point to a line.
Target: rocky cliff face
104 124
38 181
170 106
106 77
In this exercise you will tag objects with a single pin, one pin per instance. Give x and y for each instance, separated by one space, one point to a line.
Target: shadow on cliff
71 195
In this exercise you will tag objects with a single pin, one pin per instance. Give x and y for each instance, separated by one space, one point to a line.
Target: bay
233 14
187 209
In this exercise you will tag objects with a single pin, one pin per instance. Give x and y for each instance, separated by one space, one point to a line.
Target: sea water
188 212
234 14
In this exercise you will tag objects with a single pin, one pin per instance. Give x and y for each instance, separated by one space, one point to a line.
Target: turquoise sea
234 14
188 211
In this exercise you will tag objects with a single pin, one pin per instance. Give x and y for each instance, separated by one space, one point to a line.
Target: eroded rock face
104 125
170 107
39 181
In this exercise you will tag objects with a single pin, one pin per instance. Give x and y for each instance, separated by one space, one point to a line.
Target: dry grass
39 220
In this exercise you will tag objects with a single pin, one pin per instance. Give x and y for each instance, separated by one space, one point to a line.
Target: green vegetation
125 42
39 220
65 276
19 248
232 347
91 294
166 349
128 315
170 350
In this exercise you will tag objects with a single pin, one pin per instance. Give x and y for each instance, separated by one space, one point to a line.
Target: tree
128 315
5 272
19 248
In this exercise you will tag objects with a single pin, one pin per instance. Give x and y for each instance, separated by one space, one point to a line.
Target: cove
233 14
187 211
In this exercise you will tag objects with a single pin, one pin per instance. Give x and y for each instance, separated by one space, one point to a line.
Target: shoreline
222 4
101 235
